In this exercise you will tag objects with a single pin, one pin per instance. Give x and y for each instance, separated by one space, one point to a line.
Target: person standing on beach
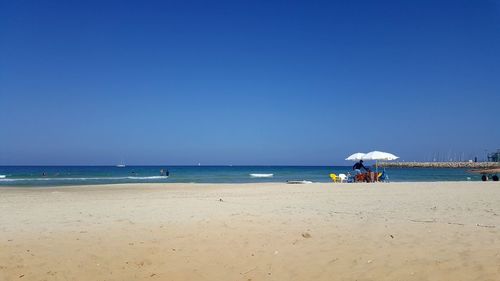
357 167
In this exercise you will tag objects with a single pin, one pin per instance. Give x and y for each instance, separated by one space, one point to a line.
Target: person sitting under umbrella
357 167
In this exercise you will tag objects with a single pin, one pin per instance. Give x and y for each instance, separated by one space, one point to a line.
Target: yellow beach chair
338 178
335 178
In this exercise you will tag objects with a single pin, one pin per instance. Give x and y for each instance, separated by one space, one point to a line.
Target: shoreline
69 176
238 184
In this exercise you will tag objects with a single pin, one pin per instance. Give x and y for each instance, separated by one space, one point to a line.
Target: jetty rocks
469 165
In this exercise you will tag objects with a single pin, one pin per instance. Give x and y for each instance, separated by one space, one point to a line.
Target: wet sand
396 231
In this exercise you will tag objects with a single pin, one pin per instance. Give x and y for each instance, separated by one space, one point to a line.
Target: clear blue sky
246 82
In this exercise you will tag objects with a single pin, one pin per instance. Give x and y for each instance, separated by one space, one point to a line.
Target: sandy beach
396 231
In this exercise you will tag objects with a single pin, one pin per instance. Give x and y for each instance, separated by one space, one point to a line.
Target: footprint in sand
306 235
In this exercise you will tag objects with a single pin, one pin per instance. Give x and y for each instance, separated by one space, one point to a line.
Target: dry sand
397 231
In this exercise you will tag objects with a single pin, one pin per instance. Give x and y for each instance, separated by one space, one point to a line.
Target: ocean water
32 176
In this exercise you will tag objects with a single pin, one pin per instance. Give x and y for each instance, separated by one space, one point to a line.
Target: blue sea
33 176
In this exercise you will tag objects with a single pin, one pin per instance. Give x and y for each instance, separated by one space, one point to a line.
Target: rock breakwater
470 165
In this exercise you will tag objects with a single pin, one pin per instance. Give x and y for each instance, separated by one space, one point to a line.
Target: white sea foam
81 179
148 178
299 182
261 175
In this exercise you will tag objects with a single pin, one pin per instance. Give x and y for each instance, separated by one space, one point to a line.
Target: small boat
121 166
261 175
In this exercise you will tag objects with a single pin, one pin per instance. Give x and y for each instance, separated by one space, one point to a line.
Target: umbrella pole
376 166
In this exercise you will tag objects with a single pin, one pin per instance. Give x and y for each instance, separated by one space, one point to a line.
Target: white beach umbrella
379 155
356 156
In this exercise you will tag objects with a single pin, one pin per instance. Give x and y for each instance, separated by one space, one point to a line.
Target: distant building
494 156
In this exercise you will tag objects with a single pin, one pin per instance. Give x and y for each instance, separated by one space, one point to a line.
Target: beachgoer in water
164 173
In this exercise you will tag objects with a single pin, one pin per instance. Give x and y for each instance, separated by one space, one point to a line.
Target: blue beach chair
384 177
